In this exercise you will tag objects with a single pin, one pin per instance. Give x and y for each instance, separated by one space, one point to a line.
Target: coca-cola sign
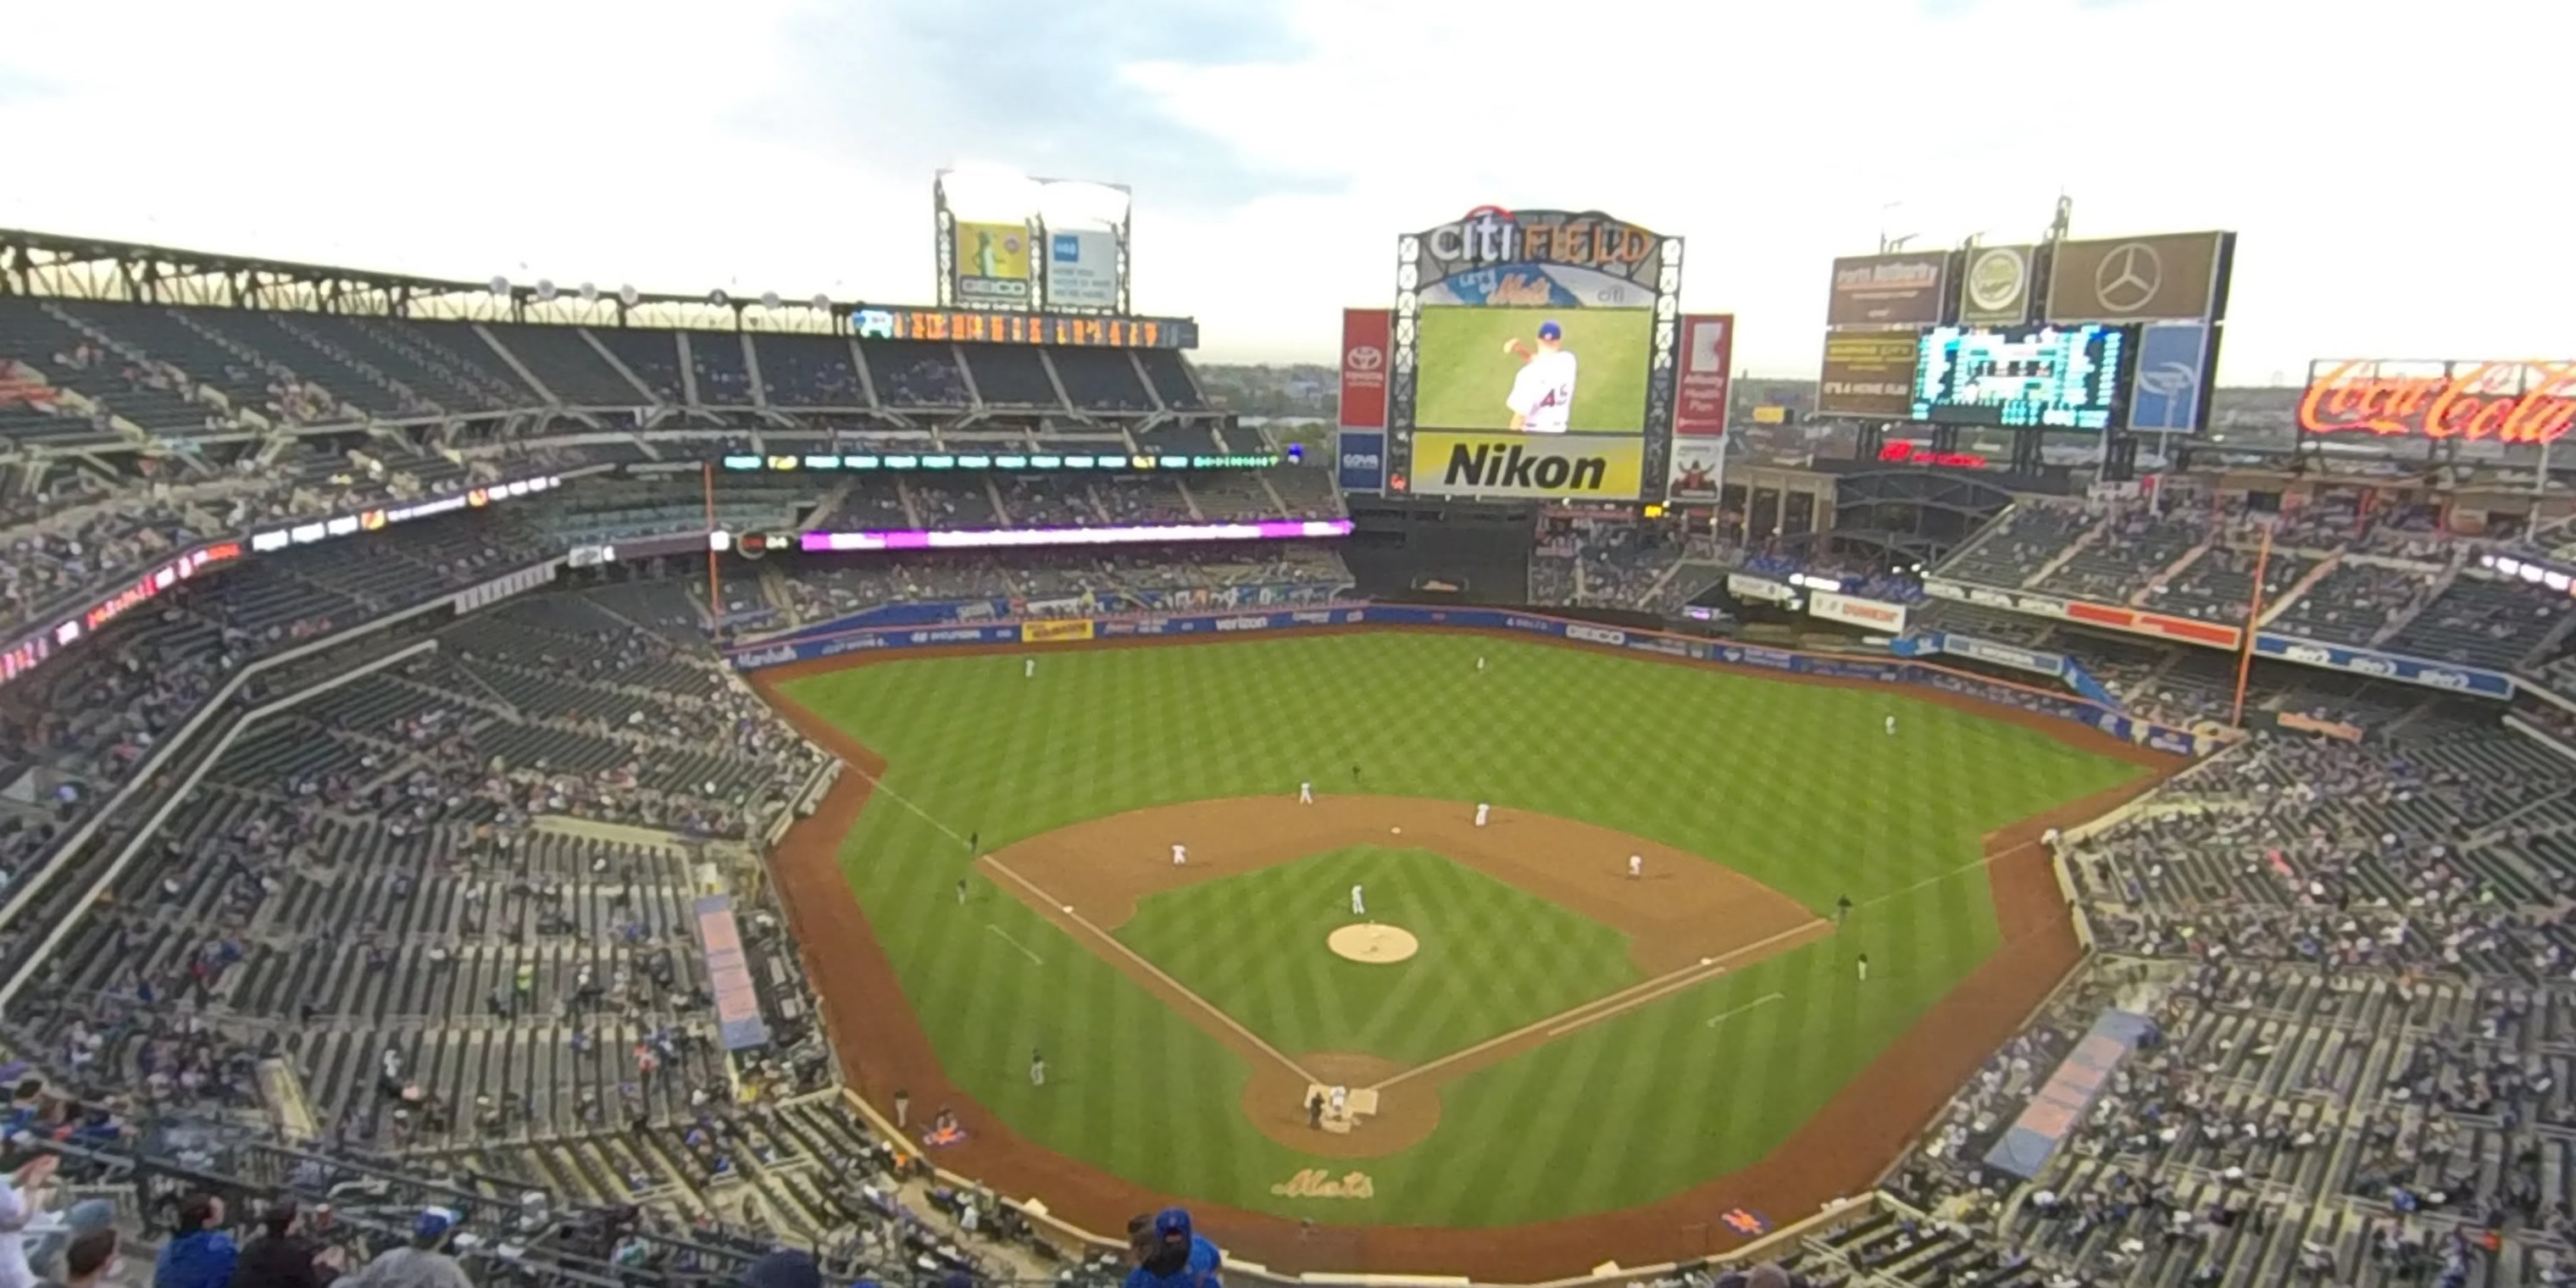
2505 402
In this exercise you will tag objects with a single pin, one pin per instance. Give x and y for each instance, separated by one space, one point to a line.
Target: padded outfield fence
1055 631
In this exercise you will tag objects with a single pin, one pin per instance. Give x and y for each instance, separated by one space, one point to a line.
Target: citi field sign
2503 402
1596 259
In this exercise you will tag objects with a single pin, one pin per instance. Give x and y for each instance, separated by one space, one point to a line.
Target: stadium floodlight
500 285
770 300
717 298
823 302
545 290
589 292
627 295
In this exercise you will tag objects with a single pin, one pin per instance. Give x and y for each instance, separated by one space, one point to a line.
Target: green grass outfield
1794 785
1464 375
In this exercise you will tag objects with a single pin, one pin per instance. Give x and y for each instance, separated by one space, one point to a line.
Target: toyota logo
1366 357
2128 278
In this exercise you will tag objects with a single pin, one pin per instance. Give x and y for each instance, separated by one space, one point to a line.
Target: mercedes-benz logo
2128 278
1367 357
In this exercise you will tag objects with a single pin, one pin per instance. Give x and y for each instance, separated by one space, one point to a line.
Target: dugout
1429 551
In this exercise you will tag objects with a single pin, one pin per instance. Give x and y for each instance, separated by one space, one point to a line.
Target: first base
1068 907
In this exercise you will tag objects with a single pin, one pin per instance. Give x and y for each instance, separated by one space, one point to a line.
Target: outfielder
1891 726
1359 906
1180 856
1306 793
1028 668
1542 400
1483 812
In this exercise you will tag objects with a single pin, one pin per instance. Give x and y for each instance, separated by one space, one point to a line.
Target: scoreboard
2073 377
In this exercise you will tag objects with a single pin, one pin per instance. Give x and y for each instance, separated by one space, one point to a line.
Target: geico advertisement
1532 465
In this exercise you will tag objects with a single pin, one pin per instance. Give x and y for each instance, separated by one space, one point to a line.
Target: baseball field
1564 1038
1465 375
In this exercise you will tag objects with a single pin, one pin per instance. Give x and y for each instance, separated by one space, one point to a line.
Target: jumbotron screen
2031 377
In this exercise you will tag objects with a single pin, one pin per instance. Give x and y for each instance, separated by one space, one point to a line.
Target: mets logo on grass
1600 467
1056 632
1316 1183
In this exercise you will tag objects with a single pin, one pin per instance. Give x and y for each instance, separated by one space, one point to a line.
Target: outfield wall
1079 630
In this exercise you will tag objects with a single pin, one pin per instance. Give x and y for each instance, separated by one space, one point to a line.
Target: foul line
1602 1008
1764 1000
1048 902
1952 875
1024 948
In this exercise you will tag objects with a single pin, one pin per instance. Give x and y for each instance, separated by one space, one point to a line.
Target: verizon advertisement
1698 468
1868 614
1367 346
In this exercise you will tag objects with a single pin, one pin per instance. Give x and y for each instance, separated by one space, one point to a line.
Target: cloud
1278 147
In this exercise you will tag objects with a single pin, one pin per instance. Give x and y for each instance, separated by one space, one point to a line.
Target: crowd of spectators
1122 581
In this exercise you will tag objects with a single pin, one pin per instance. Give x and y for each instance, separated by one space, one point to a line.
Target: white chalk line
1602 1008
1764 1000
1025 951
1048 901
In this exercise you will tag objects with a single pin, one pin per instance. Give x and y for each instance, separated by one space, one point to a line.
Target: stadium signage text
1541 236
1316 1183
1904 453
2509 402
1596 635
1596 466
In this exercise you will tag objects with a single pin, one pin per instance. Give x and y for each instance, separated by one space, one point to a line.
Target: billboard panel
1082 268
1533 370
1537 258
2508 402
2174 277
1698 467
1363 460
1852 610
1868 373
1366 340
2173 378
1995 290
1900 290
1597 467
2043 377
992 263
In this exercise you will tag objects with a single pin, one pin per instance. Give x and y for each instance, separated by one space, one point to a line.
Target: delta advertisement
1597 467
992 263
754 657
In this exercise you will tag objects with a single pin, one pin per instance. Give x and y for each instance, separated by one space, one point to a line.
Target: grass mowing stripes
1493 957
1794 785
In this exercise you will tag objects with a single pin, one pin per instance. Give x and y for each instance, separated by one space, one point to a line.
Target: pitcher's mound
1373 945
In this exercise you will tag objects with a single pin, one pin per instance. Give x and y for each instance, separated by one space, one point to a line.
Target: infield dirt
1838 1151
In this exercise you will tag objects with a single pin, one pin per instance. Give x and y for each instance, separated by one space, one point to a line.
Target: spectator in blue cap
1170 1255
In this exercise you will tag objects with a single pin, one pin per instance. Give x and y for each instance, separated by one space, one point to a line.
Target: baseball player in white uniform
1028 668
1483 812
1891 726
1180 856
1542 400
1306 793
1636 866
1359 905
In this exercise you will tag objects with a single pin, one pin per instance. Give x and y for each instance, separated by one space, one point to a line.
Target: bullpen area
1626 1015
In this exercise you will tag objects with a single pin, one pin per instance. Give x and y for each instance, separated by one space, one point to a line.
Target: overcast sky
2397 170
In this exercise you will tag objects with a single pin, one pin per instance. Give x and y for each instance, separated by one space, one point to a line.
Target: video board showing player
2042 377
1542 370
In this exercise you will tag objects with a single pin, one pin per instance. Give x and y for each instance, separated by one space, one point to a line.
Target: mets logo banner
992 263
1599 467
1056 632
1536 259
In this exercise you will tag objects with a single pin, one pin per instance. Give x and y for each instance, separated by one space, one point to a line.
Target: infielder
1359 906
1636 866
1483 812
1341 1102
1180 856
1542 400
1306 793
1864 968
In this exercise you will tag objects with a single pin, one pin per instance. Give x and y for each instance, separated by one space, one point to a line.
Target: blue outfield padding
1884 670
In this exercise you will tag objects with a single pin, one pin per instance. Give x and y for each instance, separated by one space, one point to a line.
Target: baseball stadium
593 787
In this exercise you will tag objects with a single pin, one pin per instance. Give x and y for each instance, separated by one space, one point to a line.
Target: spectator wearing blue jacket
1170 1255
202 1256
